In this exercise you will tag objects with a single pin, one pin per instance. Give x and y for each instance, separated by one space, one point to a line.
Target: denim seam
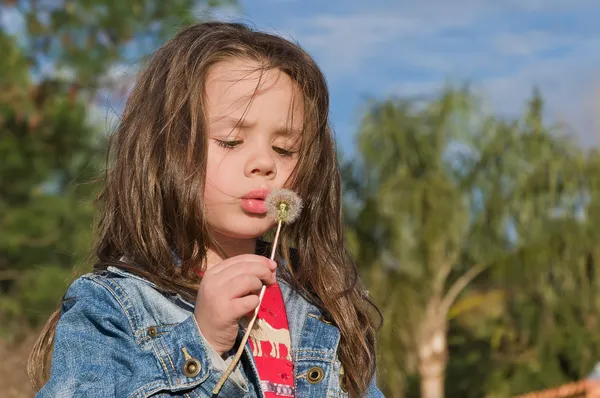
164 349
117 271
173 366
200 335
126 302
148 338
116 296
192 383
142 331
160 358
144 336
325 372
320 359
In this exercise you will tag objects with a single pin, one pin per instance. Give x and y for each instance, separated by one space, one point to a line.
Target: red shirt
271 346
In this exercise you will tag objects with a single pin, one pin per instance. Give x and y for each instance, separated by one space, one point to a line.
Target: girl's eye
284 152
228 144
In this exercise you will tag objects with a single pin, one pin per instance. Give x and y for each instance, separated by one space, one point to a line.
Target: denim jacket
118 336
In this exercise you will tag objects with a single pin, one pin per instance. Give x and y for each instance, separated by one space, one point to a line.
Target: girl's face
254 121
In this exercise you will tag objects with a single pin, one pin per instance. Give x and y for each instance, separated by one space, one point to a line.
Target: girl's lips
256 194
254 206
254 201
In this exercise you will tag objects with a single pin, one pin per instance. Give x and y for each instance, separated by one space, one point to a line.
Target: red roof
579 389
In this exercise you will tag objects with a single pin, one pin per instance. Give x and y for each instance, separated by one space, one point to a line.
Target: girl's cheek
291 166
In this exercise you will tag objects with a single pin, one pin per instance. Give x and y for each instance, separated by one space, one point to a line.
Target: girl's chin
246 233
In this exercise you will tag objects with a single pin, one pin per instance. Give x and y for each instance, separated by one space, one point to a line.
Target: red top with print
271 346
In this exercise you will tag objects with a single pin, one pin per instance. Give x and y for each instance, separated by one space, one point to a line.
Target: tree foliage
56 59
456 212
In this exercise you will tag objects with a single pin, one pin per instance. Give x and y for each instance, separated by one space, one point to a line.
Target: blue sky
378 48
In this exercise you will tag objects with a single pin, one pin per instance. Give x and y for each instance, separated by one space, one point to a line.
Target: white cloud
343 43
419 33
500 46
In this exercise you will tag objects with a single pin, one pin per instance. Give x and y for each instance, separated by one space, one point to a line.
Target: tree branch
458 286
443 272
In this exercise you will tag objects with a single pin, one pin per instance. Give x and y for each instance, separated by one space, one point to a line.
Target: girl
222 115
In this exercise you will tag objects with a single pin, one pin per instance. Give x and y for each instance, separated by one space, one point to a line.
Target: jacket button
152 331
315 375
191 367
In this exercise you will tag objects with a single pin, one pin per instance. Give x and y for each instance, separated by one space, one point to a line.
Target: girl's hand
227 292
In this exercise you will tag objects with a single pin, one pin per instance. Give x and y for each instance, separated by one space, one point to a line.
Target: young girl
221 116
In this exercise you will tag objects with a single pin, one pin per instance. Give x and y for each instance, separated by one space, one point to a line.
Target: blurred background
468 139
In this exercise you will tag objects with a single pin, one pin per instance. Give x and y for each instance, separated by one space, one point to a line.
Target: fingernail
273 263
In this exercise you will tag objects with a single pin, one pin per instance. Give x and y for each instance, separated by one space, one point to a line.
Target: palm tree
548 334
444 193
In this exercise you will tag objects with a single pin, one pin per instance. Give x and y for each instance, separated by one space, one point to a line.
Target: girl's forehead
239 86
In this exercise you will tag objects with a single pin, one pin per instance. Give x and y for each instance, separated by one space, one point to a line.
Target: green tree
47 151
447 194
56 61
547 334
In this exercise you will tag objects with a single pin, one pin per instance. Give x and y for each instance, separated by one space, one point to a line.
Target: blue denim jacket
120 337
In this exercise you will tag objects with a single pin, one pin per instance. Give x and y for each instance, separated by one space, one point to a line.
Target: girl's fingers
243 305
257 270
243 285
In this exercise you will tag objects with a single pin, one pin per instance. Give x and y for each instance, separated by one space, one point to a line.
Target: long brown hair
152 197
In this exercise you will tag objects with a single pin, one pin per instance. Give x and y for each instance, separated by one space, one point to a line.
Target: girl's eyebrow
230 120
246 124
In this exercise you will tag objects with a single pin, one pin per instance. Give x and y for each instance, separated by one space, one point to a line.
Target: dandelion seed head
283 205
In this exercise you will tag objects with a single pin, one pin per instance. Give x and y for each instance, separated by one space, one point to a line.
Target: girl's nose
261 163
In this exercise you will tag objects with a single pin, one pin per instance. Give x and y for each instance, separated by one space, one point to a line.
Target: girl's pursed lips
254 206
254 201
257 194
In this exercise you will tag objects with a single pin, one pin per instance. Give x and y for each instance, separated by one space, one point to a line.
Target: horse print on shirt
263 332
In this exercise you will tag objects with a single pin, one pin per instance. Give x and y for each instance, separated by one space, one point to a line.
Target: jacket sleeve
98 354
